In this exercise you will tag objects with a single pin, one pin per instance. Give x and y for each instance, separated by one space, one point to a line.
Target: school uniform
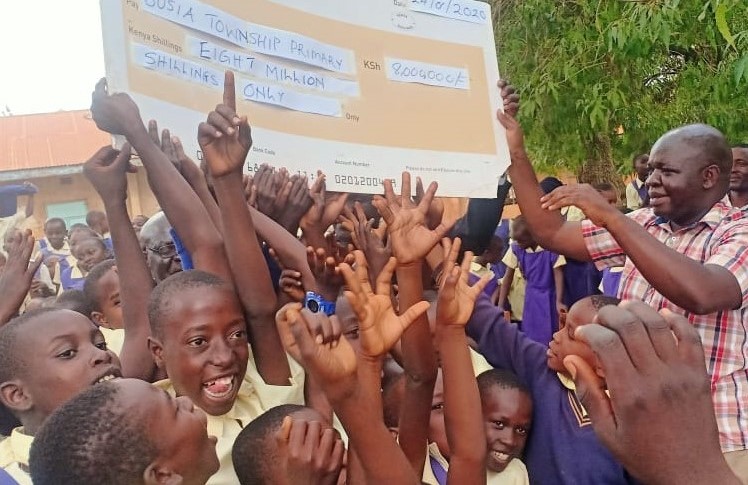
494 271
254 398
435 471
611 281
540 316
46 249
71 278
435 466
636 194
14 456
107 238
562 447
581 278
114 338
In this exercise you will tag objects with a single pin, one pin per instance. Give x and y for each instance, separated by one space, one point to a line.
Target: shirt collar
637 183
242 411
712 218
20 444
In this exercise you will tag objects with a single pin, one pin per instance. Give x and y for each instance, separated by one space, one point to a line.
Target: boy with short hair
74 300
507 413
54 246
285 443
123 432
453 416
199 336
46 357
102 290
97 221
637 195
562 447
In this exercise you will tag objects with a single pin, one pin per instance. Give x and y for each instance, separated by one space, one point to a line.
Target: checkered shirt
719 238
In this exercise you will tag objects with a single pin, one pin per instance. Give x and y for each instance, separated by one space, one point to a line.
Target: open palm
331 364
406 222
456 297
379 326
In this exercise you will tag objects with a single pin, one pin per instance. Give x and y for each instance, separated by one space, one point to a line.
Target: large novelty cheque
362 89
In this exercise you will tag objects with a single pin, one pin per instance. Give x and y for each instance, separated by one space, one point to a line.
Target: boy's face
564 343
203 347
437 428
109 302
521 234
739 173
176 427
65 353
89 252
507 414
137 223
640 165
55 232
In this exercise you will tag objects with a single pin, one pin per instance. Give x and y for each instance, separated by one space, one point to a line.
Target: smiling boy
562 447
199 336
46 357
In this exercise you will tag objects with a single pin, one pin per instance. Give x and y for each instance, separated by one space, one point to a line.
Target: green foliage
587 68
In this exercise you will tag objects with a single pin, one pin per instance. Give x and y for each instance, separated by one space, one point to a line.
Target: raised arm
118 114
107 171
463 414
225 140
324 211
336 368
692 285
16 275
191 172
411 241
548 227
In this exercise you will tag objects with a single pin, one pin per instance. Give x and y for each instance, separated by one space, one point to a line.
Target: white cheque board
361 89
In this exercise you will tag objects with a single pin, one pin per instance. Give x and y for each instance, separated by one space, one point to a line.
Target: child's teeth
219 387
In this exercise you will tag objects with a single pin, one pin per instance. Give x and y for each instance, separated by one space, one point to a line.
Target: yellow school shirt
114 338
514 474
14 456
254 398
480 364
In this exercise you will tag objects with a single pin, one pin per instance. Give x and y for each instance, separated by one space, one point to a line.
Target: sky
52 57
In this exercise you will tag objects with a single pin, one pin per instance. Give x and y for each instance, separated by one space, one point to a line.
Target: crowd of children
261 330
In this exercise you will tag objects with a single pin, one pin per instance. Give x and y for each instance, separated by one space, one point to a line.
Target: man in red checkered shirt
687 252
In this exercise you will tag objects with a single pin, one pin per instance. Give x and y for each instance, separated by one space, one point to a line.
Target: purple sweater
562 447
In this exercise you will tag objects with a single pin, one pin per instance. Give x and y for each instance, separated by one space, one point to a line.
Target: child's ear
157 350
99 319
14 396
156 474
599 370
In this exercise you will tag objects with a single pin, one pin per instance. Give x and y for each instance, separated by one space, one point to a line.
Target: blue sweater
562 447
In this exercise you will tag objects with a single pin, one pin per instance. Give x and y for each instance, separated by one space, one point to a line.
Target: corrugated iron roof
46 140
